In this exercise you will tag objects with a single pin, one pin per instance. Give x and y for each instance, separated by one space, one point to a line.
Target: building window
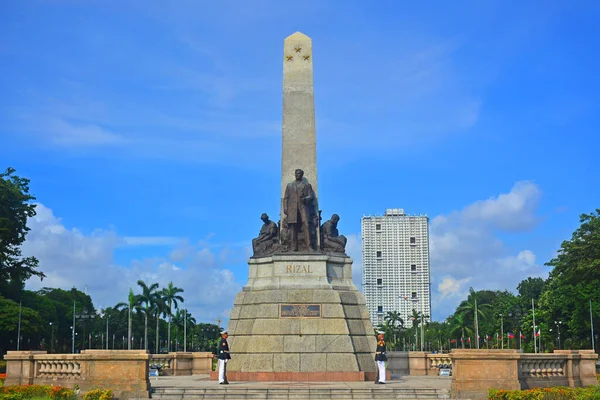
379 281
379 309
413 240
414 295
413 267
378 227
378 254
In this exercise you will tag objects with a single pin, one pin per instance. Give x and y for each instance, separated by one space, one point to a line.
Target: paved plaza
202 381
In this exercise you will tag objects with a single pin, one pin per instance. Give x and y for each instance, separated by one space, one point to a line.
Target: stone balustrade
474 372
437 359
125 372
416 362
57 369
179 363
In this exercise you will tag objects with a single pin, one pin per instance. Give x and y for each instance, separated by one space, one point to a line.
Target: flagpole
520 346
592 325
19 328
477 325
534 337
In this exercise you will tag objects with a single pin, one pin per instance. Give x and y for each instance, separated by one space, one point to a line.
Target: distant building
395 256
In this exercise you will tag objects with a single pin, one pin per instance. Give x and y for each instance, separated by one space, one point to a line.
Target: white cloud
466 249
71 258
450 287
151 240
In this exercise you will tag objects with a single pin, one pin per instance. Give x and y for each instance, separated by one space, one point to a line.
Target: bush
98 394
2 379
2 367
23 392
553 393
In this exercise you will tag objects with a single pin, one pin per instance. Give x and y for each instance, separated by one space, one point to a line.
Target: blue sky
151 132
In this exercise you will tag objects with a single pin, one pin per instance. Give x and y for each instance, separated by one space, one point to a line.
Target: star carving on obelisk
289 58
306 58
298 49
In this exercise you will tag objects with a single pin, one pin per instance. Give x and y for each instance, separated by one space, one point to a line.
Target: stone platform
299 317
197 387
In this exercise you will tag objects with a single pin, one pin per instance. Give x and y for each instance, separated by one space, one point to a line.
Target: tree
475 308
171 297
574 282
147 299
15 209
132 304
159 308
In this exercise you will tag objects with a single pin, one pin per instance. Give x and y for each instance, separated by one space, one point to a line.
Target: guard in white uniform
380 358
223 356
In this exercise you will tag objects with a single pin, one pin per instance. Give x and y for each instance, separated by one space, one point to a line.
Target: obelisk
299 143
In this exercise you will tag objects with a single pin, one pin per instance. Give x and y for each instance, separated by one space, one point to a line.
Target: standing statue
298 204
332 241
267 240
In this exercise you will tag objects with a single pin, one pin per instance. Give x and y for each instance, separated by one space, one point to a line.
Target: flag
469 340
537 333
499 336
511 335
488 337
522 336
453 341
461 340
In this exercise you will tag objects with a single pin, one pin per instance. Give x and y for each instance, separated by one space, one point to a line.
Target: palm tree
470 307
132 302
458 324
159 308
170 296
147 299
394 320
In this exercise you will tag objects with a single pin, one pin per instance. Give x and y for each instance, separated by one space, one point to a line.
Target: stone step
298 394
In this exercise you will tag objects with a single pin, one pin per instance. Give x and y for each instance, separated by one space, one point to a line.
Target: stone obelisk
299 142
300 317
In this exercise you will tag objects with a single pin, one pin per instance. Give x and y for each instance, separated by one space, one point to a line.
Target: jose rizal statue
297 206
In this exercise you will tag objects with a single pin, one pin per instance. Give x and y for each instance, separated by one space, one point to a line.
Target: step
299 394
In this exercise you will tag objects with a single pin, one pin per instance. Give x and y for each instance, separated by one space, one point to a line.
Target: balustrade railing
542 368
64 369
165 361
437 359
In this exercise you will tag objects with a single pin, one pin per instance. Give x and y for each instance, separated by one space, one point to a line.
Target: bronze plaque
299 311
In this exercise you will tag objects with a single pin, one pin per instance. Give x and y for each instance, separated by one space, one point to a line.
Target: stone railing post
202 363
474 372
418 363
182 363
20 367
397 363
587 367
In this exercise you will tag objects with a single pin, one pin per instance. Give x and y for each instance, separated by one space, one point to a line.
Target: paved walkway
202 381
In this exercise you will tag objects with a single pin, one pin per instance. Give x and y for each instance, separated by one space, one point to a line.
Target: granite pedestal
301 318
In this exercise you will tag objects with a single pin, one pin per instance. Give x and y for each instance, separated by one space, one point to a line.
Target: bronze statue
332 241
267 240
298 204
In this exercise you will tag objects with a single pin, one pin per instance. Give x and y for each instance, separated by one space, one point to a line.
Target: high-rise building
396 273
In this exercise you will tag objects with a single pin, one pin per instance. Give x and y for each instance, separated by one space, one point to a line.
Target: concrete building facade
396 270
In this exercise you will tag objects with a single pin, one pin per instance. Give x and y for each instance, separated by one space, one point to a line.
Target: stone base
299 376
337 342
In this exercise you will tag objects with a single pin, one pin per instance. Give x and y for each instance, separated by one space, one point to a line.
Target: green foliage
22 392
98 394
552 393
15 209
573 282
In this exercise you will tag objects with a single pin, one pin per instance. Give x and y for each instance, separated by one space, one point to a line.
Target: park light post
502 329
51 338
558 324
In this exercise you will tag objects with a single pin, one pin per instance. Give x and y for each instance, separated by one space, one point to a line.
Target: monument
300 317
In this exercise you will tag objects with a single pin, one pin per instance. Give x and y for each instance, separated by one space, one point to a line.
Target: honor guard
380 358
224 357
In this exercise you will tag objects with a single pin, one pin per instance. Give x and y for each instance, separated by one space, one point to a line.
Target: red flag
511 335
489 337
461 339
522 336
469 340
537 333
499 336
453 341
